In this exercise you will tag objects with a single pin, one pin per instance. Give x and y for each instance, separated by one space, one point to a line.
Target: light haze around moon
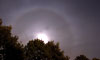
75 24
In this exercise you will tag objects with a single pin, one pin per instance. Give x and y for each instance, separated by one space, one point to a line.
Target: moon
43 37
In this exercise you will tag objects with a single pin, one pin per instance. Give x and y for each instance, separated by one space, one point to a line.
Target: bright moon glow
43 37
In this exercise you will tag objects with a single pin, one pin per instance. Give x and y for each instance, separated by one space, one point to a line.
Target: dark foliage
95 59
81 57
37 50
11 49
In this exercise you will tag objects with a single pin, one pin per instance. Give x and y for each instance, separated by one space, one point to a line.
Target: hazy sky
73 23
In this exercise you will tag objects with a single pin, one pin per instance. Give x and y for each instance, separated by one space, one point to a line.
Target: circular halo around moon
42 21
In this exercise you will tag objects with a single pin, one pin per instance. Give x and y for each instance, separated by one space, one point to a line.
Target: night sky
75 24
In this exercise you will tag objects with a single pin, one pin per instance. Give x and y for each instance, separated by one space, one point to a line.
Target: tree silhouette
81 57
95 59
37 50
10 48
55 52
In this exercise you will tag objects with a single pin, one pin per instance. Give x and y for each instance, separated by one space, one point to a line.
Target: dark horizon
74 24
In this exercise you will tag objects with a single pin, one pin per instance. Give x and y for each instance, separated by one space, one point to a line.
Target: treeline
12 49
